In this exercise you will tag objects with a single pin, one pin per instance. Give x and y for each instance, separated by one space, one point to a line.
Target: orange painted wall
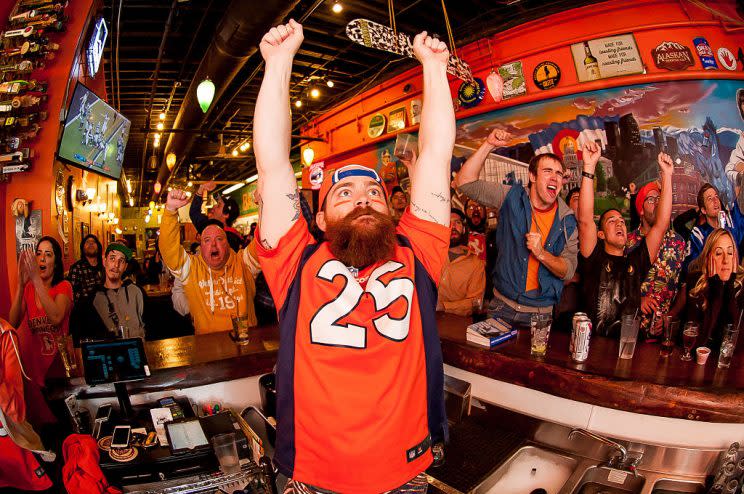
37 185
651 22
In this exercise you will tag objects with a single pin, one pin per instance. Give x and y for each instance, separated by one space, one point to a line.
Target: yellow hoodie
215 296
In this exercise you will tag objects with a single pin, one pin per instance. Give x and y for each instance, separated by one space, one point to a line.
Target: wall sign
603 58
96 45
415 109
471 94
397 120
376 125
546 75
726 58
670 55
514 83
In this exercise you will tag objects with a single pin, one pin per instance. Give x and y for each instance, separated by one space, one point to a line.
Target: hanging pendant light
205 94
307 156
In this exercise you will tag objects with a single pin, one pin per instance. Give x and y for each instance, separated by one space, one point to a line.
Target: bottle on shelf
591 65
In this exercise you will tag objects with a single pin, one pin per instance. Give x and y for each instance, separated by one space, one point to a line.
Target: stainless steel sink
529 468
604 480
669 486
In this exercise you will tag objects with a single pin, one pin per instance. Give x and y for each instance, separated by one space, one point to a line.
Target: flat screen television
95 135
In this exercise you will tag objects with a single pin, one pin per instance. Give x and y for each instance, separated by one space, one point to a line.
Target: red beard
364 242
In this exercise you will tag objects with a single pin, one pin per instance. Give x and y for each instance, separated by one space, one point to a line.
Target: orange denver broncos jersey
359 374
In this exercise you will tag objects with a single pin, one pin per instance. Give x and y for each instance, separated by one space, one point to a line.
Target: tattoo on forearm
440 197
295 198
425 212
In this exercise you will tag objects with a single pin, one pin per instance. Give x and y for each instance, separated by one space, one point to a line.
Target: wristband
588 175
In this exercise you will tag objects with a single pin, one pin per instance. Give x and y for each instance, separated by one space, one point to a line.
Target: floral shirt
661 283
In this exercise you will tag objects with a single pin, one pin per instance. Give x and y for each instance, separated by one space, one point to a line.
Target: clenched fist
176 199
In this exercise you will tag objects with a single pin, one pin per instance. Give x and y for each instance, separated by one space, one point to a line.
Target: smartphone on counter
121 436
103 413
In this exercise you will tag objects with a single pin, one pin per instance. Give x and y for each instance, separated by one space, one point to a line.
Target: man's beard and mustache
363 243
460 239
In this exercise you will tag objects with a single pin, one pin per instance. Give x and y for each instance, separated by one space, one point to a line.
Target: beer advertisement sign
670 55
603 58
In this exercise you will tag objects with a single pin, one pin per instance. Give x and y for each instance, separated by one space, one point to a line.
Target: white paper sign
607 57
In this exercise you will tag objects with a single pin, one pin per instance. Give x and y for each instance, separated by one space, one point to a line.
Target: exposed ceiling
138 29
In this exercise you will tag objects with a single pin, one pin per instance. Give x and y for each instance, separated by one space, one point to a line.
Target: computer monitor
114 361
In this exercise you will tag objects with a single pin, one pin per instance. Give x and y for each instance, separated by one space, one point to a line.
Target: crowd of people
356 285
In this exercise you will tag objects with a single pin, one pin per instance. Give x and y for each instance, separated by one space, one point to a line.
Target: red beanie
643 193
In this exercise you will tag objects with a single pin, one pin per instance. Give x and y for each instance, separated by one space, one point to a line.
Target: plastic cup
702 355
226 452
628 336
539 333
405 145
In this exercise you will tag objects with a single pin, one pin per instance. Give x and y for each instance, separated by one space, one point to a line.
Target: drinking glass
728 343
227 452
540 332
240 330
628 336
670 328
66 352
689 336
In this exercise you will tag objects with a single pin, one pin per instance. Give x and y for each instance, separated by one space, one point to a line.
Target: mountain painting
697 122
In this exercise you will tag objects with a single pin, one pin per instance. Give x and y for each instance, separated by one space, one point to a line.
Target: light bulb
329 83
160 126
205 94
314 92
190 184
235 152
131 202
298 103
156 143
162 115
337 8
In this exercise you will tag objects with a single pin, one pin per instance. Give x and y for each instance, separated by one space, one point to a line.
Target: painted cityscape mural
697 122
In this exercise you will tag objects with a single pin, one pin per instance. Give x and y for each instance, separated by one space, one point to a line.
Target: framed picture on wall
603 58
84 230
397 119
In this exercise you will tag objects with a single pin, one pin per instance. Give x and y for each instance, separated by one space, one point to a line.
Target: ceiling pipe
235 40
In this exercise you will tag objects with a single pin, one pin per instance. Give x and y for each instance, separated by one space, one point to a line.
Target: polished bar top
647 384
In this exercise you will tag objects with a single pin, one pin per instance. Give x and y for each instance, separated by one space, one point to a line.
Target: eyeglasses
652 199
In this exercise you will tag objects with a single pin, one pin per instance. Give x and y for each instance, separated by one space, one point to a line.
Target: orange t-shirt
542 221
358 375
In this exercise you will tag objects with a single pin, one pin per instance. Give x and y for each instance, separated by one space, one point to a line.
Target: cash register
161 469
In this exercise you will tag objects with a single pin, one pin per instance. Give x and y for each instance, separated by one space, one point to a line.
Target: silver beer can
576 317
581 340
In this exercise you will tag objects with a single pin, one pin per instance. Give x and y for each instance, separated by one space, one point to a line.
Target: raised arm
56 308
430 192
198 218
655 235
18 306
489 194
171 250
472 167
585 214
279 207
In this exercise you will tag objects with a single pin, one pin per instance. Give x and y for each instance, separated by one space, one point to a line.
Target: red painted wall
651 22
37 185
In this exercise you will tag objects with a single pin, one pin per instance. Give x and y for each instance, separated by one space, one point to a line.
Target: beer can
576 317
581 340
705 52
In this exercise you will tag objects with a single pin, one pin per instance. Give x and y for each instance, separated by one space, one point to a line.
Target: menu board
603 58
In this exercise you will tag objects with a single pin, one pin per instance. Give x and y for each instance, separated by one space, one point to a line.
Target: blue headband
341 174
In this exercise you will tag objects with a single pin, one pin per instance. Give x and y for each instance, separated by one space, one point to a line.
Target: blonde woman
714 288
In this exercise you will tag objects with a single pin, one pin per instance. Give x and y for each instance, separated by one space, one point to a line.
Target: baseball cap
643 193
335 176
121 248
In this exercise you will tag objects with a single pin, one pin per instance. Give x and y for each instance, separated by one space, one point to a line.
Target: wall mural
697 122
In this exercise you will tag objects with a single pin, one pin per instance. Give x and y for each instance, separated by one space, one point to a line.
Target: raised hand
22 271
30 266
430 50
206 187
282 41
591 153
176 199
498 138
666 165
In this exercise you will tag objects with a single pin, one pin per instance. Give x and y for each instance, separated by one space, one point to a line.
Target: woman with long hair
715 288
41 308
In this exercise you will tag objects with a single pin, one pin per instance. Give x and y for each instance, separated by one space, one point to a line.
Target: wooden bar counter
647 384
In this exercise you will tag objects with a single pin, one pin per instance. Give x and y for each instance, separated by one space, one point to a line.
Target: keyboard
249 477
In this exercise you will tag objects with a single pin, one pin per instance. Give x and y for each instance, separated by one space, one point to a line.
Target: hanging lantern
170 160
157 187
307 156
205 93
